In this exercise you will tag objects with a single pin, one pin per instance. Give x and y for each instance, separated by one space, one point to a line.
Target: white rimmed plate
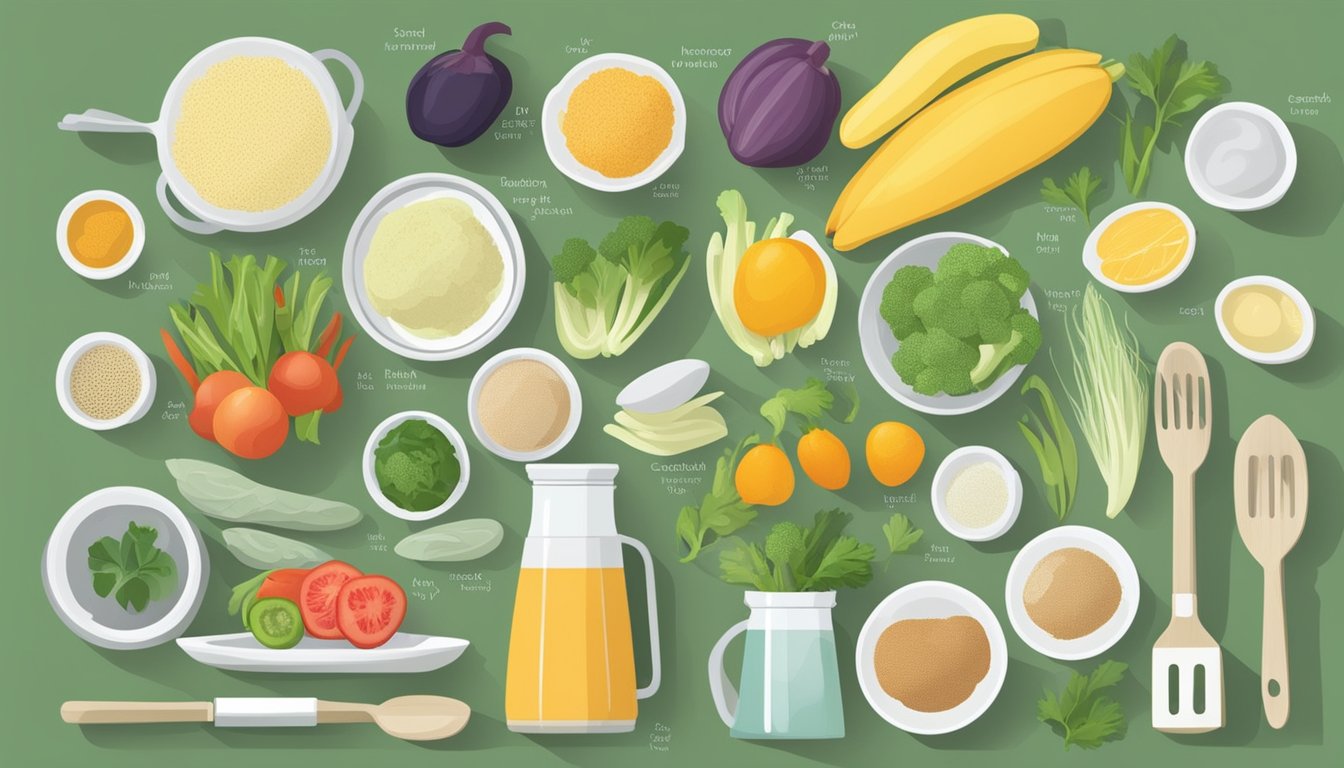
1093 262
955 462
492 215
558 99
404 652
77 348
571 386
101 620
371 478
930 600
879 344
1297 351
1103 637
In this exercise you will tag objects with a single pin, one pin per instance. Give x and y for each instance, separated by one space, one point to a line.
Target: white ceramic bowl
930 600
1202 131
1295 352
371 479
1093 262
1106 635
148 381
571 385
879 344
558 99
101 620
492 215
955 462
137 236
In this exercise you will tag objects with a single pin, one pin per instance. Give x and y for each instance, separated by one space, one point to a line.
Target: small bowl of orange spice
100 234
614 122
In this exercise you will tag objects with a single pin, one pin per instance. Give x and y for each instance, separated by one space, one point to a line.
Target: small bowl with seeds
104 381
524 404
976 493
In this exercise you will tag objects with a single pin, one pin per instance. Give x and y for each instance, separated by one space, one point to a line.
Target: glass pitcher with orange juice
571 653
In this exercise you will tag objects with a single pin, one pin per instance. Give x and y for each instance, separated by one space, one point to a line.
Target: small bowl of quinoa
104 381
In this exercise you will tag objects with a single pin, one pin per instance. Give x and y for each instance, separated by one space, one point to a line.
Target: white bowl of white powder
977 494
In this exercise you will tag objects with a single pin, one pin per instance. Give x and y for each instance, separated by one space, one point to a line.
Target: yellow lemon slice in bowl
1140 247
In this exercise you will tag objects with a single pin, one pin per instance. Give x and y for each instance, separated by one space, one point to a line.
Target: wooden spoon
1271 499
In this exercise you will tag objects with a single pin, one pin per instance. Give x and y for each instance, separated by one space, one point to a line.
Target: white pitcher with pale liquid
571 653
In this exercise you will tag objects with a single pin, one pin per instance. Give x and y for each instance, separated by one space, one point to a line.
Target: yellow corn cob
943 110
931 67
940 160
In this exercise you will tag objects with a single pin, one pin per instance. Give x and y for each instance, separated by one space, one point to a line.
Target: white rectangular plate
403 653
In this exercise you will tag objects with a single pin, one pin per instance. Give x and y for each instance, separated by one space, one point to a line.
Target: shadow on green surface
1322 365
1314 200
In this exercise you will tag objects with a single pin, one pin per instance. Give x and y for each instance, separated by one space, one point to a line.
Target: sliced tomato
369 610
317 597
283 582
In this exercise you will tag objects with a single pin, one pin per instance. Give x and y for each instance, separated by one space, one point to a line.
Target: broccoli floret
1024 339
898 299
784 545
573 260
967 261
989 308
1012 277
630 235
940 306
409 471
934 361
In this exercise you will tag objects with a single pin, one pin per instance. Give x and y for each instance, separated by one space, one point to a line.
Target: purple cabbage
779 105
456 96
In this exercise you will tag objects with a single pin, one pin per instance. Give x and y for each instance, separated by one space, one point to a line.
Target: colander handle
194 226
102 121
357 96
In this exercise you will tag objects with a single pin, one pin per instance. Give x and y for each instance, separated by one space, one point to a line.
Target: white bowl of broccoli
947 337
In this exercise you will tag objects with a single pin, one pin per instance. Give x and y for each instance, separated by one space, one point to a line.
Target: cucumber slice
275 622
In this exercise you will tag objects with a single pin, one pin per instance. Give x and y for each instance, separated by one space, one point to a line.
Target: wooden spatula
1271 499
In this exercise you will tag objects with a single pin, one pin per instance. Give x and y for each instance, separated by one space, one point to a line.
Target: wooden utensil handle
122 712
1274 650
1183 534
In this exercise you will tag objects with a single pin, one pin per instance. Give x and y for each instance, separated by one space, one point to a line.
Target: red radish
303 382
318 595
250 423
369 610
209 395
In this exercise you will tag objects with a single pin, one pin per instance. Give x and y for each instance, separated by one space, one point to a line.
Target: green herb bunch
798 559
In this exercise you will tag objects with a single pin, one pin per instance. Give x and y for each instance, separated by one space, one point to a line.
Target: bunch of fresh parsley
1086 716
797 559
132 570
1075 192
722 512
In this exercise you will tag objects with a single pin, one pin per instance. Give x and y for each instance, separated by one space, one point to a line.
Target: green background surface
62 56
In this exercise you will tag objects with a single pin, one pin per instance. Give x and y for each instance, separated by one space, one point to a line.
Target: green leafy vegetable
245 595
1112 400
1075 192
901 534
1082 713
722 512
810 402
416 466
1055 448
962 326
605 298
795 559
1174 86
260 549
224 494
133 570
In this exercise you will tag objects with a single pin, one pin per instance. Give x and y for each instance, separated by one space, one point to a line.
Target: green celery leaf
901 533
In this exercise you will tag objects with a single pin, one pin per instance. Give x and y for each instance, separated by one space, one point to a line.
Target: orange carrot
329 335
180 361
340 354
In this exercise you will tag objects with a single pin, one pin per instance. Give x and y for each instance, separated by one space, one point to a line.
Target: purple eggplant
779 105
456 96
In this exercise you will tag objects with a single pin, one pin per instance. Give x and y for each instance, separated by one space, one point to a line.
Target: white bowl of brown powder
524 404
104 381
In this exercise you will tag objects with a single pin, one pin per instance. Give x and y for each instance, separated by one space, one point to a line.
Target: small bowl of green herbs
416 465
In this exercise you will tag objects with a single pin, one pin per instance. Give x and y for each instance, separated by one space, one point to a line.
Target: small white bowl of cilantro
125 569
416 465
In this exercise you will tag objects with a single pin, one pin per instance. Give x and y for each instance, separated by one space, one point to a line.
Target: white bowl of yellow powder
104 381
433 267
614 122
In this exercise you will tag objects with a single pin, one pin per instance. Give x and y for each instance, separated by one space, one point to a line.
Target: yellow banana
931 67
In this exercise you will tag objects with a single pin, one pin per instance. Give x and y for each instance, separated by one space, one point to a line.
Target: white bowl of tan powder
524 404
1072 592
104 381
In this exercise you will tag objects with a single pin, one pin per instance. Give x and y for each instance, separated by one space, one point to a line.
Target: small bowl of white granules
976 493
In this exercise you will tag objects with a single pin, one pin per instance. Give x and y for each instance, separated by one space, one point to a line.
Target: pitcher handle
720 687
655 649
358 78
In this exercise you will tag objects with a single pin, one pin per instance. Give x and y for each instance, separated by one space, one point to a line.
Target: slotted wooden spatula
1271 499
1187 662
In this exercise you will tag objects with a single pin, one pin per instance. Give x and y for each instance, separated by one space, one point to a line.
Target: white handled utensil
1187 662
414 718
1271 499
